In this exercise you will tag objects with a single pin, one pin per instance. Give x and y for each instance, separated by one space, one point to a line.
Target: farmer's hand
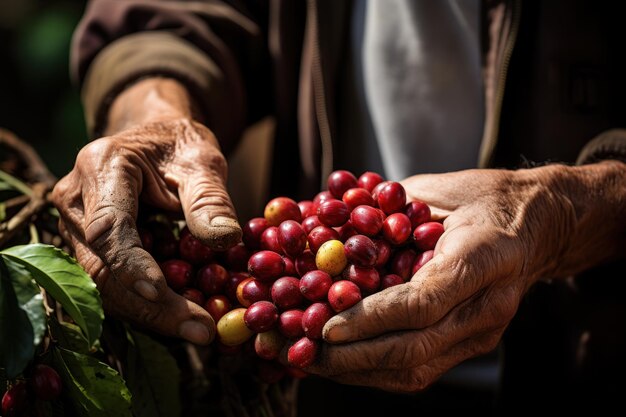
161 157
504 230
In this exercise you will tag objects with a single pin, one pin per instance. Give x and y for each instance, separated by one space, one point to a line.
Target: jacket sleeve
610 144
217 49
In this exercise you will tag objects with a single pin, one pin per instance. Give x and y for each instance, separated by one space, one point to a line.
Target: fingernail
146 290
194 332
226 222
336 331
226 232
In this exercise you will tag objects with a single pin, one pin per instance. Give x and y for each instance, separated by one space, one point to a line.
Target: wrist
150 101
582 220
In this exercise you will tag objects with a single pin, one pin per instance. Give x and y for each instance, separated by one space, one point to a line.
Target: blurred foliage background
37 99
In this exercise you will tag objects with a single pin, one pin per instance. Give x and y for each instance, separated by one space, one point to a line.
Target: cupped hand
502 232
172 165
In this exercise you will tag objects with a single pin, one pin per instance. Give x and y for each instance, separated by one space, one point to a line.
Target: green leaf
22 318
93 388
3 212
152 376
29 298
69 336
65 280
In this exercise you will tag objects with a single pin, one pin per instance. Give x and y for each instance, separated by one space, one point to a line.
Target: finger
413 305
411 380
467 259
110 190
65 234
200 175
408 349
173 315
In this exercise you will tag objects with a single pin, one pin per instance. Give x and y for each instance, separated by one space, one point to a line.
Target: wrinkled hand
171 165
502 232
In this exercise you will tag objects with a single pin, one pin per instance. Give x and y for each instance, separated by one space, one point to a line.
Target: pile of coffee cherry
301 263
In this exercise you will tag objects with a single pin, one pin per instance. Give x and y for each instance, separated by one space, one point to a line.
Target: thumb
417 304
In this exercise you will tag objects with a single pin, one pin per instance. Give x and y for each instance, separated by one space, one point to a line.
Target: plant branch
35 170
15 183
14 202
37 202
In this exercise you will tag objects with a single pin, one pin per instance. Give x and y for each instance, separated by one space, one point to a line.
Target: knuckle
97 151
502 305
413 381
208 194
148 314
65 192
217 162
107 229
490 343
96 269
61 189
421 303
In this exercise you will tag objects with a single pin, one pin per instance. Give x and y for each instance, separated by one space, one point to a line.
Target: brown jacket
554 79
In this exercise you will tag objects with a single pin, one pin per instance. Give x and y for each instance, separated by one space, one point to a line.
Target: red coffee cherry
286 293
427 234
192 250
418 212
314 285
397 228
290 324
314 318
343 295
303 353
217 306
261 316
292 238
252 231
356 197
392 198
333 213
319 236
211 279
360 250
178 273
266 265
279 209
46 382
15 400
390 280
367 220
369 180
194 295
340 181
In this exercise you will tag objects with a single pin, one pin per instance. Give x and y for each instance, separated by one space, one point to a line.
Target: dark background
37 99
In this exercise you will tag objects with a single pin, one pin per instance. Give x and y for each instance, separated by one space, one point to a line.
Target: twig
292 395
267 407
198 385
35 169
49 310
18 201
23 217
195 362
15 183
59 311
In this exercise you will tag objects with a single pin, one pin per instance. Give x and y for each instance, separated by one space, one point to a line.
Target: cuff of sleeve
610 144
142 55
